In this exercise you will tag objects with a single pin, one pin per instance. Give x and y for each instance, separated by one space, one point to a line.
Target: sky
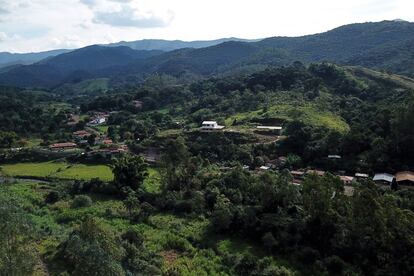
39 25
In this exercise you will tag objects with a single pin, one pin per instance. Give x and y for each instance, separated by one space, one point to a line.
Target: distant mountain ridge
78 65
171 45
10 59
384 45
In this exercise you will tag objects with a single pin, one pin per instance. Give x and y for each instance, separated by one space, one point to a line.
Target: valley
283 156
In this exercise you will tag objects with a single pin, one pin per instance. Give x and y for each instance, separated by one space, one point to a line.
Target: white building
383 178
210 125
98 121
334 156
270 129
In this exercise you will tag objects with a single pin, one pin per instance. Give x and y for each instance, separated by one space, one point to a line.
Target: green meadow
60 170
286 112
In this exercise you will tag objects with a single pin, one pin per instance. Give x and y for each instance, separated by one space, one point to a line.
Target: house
81 134
269 129
405 178
97 121
62 146
107 142
137 104
317 172
210 125
383 178
264 168
334 156
361 175
346 179
297 174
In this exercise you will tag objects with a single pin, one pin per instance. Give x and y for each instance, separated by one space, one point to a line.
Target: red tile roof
63 145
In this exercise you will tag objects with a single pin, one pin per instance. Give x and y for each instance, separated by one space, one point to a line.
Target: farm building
317 172
297 174
361 175
81 134
97 121
138 104
383 178
277 130
346 179
62 146
210 125
333 156
405 178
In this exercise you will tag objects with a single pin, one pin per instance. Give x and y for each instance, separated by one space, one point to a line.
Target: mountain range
11 59
386 45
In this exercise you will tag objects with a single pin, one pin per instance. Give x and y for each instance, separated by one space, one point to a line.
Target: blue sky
38 25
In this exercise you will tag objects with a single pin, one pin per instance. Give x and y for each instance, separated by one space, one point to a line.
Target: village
90 143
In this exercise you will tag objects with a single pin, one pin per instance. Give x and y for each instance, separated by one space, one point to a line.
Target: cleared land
285 112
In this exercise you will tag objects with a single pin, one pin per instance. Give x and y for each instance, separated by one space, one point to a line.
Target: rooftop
405 176
383 177
269 127
63 145
361 175
317 172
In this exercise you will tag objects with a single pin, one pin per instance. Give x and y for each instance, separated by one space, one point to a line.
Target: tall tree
129 171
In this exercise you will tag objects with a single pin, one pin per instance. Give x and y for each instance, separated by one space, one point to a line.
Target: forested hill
383 45
74 66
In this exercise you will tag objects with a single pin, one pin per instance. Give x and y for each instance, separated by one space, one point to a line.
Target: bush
308 255
81 201
52 197
335 265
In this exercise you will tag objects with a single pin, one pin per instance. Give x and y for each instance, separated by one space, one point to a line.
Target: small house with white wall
210 125
277 130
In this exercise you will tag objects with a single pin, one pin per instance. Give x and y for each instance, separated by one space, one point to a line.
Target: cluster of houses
401 179
80 138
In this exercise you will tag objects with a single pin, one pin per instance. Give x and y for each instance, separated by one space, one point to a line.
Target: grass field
308 114
61 170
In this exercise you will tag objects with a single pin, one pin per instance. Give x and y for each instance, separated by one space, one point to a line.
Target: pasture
60 170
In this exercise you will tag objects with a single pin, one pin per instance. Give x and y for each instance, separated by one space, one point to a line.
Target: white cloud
129 17
37 25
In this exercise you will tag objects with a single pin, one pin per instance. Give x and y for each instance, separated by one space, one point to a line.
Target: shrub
81 201
52 197
335 265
